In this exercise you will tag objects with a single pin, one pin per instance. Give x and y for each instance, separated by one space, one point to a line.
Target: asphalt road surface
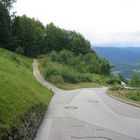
87 114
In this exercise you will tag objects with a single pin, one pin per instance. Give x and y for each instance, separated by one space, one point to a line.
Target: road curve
87 114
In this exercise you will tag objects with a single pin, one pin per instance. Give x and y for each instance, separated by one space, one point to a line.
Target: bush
70 76
73 76
88 63
134 95
41 56
135 80
65 57
20 50
112 80
52 70
116 87
55 79
54 56
15 59
85 77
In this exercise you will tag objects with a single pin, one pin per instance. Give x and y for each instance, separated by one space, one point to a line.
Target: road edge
124 101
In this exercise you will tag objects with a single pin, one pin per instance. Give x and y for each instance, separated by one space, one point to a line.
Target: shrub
41 56
116 87
20 50
52 70
70 76
65 57
54 56
134 95
85 77
15 59
87 63
135 80
112 80
55 79
73 76
56 72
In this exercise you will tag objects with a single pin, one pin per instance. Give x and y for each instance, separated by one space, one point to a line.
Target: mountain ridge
117 54
126 60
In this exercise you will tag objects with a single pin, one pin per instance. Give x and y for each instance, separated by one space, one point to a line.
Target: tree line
31 38
28 36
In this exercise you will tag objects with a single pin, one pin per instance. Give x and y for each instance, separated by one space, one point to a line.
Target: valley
125 60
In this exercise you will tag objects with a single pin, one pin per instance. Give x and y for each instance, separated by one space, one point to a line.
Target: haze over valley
126 60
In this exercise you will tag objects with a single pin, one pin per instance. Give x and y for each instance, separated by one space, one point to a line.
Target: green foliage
52 69
58 39
54 56
85 77
129 95
112 80
121 78
5 26
133 95
28 34
71 76
19 91
64 57
55 79
65 66
8 3
87 63
19 50
104 67
116 87
56 72
135 80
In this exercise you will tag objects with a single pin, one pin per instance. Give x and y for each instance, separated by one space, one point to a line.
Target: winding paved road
87 114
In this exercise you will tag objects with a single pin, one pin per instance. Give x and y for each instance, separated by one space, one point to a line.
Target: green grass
70 86
57 73
125 94
19 90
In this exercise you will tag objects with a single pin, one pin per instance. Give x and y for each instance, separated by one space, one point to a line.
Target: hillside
69 71
126 60
20 93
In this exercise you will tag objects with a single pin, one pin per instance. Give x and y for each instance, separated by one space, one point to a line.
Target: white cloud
100 21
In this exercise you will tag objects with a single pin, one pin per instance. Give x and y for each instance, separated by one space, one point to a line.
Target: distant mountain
135 50
123 55
126 60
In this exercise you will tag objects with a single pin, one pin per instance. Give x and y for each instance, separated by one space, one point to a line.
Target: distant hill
123 55
135 50
126 60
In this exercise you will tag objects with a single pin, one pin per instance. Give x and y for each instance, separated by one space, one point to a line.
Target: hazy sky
100 21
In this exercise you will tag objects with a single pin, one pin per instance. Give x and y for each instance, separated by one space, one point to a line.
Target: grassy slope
70 86
19 91
98 80
127 95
